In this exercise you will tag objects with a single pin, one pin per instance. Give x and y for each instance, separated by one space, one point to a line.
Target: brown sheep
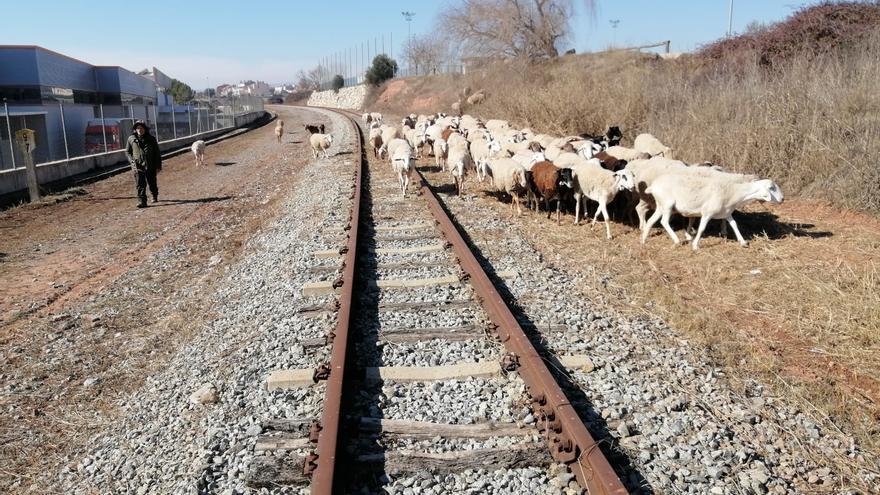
551 183
609 162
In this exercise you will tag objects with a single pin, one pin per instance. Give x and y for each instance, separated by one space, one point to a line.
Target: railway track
429 370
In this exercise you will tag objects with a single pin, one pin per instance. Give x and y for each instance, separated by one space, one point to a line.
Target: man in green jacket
143 154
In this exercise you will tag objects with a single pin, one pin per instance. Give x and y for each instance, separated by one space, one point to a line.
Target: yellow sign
26 138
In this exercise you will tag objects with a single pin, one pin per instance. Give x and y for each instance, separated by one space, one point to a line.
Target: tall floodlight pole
614 23
730 20
408 16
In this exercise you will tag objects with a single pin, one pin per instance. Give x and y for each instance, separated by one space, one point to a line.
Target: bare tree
512 28
310 80
424 54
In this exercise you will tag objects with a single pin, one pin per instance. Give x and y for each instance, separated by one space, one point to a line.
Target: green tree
180 91
383 68
338 83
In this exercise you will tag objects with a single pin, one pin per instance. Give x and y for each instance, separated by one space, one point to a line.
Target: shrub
338 83
810 32
383 68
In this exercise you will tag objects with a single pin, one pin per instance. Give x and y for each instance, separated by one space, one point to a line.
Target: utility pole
614 23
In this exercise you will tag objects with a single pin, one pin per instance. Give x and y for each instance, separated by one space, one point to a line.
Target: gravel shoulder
677 420
97 388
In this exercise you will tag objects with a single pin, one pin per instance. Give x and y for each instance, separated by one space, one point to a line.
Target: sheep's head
566 178
767 190
493 145
537 157
383 151
624 179
519 176
589 149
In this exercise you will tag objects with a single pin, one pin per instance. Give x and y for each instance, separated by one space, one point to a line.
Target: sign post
27 142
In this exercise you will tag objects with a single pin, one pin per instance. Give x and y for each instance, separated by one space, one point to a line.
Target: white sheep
376 142
459 161
650 145
509 177
389 132
646 171
706 197
545 140
624 153
440 150
320 143
528 158
400 154
279 129
198 149
481 150
497 126
415 139
600 185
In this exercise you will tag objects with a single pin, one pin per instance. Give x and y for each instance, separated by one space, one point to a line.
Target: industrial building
40 86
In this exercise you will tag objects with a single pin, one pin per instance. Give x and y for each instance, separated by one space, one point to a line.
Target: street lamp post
614 23
730 20
409 17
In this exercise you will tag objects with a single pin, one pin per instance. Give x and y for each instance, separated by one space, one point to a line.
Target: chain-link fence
68 130
429 70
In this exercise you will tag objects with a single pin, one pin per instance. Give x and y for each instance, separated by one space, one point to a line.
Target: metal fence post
189 123
64 131
9 130
156 122
103 126
174 120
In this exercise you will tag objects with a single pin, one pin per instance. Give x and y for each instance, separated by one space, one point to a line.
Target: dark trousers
142 180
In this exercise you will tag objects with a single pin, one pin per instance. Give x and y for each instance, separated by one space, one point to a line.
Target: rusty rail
322 466
569 440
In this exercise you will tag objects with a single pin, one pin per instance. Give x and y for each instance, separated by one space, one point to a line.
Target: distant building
35 83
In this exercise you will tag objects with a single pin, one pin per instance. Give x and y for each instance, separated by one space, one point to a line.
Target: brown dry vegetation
799 309
812 123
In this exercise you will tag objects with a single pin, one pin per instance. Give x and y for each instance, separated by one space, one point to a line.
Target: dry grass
799 309
812 123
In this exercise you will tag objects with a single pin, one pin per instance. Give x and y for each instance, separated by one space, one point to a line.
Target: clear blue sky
202 42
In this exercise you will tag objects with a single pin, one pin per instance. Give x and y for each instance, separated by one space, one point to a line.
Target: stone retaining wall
350 98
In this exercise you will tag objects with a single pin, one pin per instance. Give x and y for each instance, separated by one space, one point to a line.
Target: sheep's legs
518 206
664 221
558 208
650 224
739 237
704 221
642 212
604 209
688 236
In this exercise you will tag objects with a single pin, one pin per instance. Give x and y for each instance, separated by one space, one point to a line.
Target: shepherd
143 154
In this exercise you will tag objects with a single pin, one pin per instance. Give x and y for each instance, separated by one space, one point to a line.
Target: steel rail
322 466
569 440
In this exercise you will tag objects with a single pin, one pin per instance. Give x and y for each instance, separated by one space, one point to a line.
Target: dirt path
97 291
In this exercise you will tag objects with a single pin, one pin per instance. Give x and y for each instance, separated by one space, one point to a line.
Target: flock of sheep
541 168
